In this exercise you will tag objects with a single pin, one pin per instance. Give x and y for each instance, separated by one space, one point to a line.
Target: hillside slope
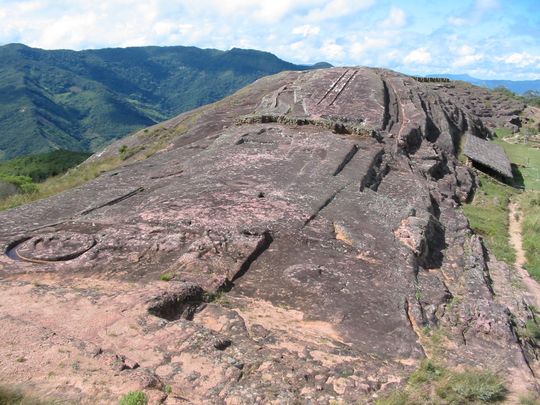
82 100
299 240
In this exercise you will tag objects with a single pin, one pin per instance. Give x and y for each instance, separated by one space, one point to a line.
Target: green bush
23 183
134 398
44 165
435 384
428 371
472 386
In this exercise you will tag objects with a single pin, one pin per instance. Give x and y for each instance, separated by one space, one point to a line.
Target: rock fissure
113 201
377 171
348 157
325 204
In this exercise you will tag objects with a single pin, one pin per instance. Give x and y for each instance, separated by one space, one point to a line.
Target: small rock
232 361
131 364
222 344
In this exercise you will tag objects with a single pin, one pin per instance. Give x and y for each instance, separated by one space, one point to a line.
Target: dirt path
515 219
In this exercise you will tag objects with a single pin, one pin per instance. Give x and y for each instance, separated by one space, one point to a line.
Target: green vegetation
488 213
530 206
433 383
488 216
166 277
24 184
84 100
126 152
54 185
526 158
532 97
134 398
42 166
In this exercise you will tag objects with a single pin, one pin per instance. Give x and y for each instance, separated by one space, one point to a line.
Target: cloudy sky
485 38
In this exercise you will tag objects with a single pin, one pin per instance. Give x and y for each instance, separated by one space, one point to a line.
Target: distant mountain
82 100
517 86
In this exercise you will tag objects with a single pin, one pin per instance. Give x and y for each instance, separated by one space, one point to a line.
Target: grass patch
219 298
436 384
126 152
530 206
503 132
488 216
134 398
531 399
526 158
11 396
166 277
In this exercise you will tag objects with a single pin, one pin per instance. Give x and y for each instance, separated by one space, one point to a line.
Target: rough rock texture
310 228
489 155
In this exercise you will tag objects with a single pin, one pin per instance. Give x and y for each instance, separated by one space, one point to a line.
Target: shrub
471 386
435 384
134 398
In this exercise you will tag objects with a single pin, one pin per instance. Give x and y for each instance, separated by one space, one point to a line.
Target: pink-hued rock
309 229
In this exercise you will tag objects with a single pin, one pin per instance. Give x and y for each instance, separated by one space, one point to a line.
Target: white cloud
465 55
396 18
302 31
332 51
306 30
420 55
359 49
485 5
464 50
338 8
164 28
466 60
523 59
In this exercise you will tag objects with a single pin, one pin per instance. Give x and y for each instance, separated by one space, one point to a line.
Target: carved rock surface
311 230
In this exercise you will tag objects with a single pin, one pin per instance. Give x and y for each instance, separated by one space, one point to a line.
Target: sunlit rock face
310 229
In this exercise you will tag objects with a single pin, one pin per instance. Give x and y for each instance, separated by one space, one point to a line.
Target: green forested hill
82 100
42 165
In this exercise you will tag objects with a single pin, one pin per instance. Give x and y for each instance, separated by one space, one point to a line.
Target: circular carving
54 247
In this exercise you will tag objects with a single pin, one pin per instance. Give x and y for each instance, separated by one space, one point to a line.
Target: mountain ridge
82 100
517 86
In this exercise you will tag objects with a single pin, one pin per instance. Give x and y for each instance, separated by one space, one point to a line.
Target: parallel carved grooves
114 201
376 173
332 87
344 87
348 157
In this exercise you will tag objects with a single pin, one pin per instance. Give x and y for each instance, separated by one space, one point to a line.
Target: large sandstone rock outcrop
311 227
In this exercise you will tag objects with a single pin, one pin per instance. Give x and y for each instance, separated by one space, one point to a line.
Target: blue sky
485 38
